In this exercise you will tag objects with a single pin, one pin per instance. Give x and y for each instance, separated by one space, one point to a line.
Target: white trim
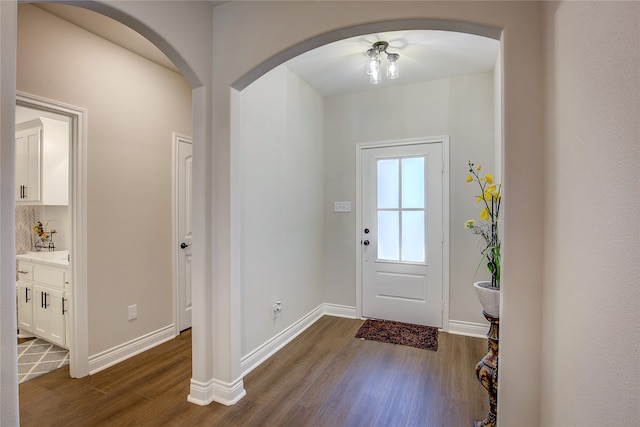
444 140
470 329
336 310
256 357
216 391
176 138
78 315
446 215
124 351
253 359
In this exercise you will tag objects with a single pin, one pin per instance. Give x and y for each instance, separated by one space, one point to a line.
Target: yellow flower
479 167
469 178
489 178
484 214
470 223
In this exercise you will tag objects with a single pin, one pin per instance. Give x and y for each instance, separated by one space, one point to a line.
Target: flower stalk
488 226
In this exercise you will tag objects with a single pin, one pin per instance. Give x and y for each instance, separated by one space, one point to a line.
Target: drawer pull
43 300
22 272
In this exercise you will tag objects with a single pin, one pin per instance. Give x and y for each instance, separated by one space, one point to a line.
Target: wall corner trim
470 329
216 391
119 353
253 359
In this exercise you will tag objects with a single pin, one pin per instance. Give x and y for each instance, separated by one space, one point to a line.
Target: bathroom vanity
44 289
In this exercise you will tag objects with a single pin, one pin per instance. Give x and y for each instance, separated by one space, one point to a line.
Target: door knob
183 245
366 243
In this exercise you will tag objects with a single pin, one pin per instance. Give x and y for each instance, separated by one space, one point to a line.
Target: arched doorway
271 65
196 80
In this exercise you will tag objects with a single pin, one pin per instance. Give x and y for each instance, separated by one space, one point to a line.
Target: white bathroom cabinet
43 300
42 162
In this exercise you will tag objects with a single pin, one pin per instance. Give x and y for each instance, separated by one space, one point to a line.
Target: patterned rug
425 337
38 357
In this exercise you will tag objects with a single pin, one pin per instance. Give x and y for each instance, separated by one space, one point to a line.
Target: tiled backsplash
25 219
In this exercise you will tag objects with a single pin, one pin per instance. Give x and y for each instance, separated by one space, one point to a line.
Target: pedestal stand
487 372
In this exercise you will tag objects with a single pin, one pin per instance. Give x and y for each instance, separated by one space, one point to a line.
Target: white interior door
183 200
402 233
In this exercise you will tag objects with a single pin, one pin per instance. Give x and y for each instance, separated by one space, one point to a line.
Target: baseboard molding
340 311
469 329
216 391
252 360
117 354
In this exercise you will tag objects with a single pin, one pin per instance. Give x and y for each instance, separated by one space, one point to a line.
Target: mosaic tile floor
38 357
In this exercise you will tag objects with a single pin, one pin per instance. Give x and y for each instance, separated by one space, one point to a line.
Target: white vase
489 297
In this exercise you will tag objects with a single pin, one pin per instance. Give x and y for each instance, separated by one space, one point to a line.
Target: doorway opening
73 221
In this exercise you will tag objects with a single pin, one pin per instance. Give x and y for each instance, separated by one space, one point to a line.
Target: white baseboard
216 391
470 329
252 360
340 311
117 354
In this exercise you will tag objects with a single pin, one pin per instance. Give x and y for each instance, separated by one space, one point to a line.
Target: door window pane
413 182
413 244
388 183
388 235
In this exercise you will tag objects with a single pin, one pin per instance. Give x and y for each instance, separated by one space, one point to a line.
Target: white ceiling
338 67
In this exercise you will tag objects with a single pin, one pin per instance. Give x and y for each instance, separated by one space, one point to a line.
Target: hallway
325 377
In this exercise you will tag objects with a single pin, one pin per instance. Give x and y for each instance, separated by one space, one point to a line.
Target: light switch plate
342 206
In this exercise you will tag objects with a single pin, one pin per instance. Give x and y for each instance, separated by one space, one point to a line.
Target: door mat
425 337
38 357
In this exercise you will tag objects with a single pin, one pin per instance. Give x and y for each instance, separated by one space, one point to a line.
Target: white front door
402 233
183 201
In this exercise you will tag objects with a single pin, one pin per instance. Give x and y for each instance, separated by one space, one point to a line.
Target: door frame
79 313
176 239
360 147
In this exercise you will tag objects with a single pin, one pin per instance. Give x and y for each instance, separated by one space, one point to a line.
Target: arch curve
374 27
143 29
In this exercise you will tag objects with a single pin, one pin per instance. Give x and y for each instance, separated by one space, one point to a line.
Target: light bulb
373 64
376 76
392 69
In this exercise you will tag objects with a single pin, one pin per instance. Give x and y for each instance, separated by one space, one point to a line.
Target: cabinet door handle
25 192
44 303
41 299
26 294
63 309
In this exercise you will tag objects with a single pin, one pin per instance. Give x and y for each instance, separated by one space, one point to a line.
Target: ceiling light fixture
373 63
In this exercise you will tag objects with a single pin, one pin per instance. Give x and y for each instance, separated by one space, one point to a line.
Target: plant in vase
488 291
45 237
487 227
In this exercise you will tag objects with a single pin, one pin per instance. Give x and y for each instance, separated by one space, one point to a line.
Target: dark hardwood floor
325 377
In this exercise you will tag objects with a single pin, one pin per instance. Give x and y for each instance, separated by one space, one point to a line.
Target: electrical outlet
342 206
277 308
133 312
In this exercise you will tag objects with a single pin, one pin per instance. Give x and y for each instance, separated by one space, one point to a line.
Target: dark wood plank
324 377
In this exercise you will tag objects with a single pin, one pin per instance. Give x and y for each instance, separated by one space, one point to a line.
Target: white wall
461 107
133 107
591 320
281 191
